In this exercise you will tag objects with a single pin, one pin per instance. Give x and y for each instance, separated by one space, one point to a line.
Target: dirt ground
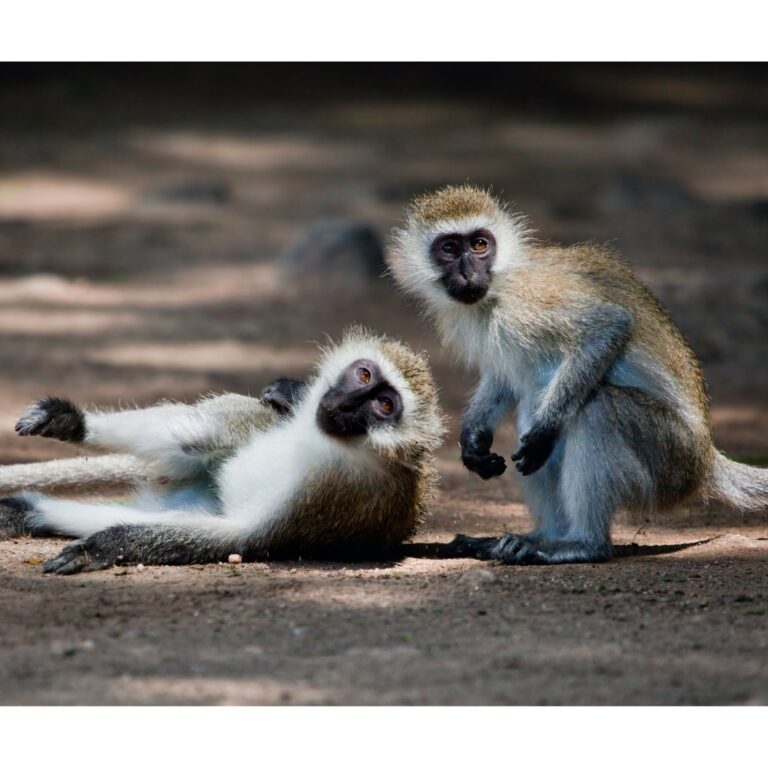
140 236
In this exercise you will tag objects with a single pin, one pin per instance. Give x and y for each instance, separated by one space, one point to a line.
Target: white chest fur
258 483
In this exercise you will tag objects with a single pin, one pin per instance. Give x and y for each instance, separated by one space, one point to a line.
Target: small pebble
235 559
140 567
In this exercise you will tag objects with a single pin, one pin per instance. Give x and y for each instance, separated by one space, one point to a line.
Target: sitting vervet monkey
347 472
611 406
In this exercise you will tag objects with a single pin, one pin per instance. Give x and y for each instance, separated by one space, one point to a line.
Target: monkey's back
565 277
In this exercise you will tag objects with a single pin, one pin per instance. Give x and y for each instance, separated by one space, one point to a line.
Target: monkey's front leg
489 403
148 544
604 330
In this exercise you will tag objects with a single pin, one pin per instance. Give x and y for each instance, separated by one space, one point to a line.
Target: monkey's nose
336 402
467 269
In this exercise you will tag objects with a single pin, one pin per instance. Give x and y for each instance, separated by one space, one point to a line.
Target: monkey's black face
360 400
465 262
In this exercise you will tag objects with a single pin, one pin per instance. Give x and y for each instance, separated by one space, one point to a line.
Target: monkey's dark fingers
283 394
518 550
75 558
487 465
481 548
527 465
53 417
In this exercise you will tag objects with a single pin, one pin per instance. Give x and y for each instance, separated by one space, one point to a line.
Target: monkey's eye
386 404
363 375
451 247
479 244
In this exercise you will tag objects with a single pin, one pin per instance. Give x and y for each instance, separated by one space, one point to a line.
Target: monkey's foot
513 549
13 517
529 550
481 548
53 417
95 553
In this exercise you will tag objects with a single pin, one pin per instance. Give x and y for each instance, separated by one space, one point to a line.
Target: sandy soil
137 261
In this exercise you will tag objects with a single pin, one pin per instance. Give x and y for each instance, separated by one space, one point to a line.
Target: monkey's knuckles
486 465
535 449
39 423
480 548
518 550
76 558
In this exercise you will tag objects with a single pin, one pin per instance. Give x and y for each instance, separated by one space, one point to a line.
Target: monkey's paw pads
535 448
13 517
77 558
481 548
487 465
53 417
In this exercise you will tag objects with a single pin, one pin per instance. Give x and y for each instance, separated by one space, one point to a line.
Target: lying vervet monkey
611 405
346 471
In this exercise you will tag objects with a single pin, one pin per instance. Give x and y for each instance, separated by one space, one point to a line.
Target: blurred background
166 231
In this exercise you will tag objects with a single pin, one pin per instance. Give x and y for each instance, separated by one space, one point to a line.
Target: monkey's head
456 244
373 390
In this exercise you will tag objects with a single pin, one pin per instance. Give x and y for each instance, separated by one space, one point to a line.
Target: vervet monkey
611 404
347 473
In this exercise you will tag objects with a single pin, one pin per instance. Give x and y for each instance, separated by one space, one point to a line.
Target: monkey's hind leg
151 545
542 495
623 449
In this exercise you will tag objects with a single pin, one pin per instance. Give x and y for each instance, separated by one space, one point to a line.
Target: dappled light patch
27 322
224 355
247 152
44 196
253 690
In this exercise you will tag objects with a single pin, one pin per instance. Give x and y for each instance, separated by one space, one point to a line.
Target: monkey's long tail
738 485
79 474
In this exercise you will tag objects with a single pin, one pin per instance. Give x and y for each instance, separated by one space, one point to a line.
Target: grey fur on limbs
603 331
150 544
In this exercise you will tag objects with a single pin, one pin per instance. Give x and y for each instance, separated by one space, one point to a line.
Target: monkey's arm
174 433
488 405
149 544
177 430
602 332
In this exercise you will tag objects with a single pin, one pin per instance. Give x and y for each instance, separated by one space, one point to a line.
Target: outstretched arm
602 332
176 438
491 400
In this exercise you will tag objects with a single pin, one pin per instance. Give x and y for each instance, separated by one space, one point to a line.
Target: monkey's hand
536 445
476 454
53 417
284 394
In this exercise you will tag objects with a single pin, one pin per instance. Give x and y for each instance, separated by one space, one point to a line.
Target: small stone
140 567
477 578
234 559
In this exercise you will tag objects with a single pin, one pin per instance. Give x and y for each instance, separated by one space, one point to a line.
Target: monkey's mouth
338 423
469 293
